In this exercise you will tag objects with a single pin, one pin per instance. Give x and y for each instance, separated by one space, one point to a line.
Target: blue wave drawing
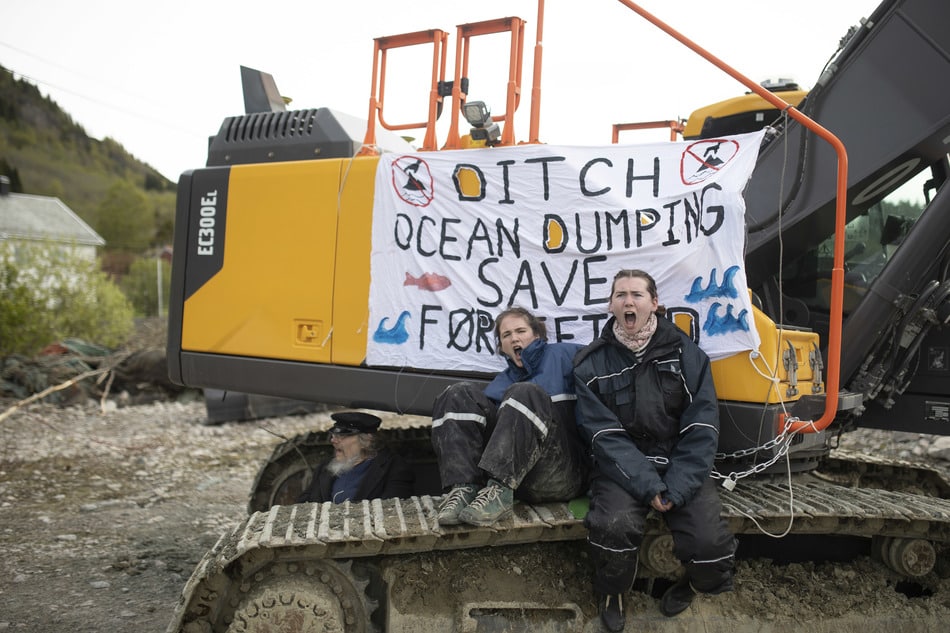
727 323
713 290
396 335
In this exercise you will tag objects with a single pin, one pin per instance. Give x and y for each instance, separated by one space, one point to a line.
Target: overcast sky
160 77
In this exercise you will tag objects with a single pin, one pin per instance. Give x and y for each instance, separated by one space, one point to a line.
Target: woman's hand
660 504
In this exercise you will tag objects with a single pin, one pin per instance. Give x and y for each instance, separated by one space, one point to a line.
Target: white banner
458 236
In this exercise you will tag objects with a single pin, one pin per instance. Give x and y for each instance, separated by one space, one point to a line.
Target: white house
46 221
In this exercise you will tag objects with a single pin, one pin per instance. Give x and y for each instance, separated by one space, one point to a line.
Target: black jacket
652 423
388 476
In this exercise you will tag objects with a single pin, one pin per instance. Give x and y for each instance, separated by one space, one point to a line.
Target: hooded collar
530 358
664 337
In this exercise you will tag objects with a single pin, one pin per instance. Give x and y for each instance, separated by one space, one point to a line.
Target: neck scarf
640 338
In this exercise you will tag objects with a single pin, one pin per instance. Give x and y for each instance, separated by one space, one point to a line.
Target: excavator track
905 529
867 470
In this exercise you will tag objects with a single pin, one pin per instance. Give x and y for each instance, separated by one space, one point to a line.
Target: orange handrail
438 39
513 90
837 271
535 121
676 128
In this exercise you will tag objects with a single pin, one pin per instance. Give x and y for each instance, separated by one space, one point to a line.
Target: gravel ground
103 516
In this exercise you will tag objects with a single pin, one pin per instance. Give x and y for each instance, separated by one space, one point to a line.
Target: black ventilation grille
269 125
268 137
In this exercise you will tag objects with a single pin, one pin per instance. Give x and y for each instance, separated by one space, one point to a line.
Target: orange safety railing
676 128
382 45
535 122
513 89
837 273
459 90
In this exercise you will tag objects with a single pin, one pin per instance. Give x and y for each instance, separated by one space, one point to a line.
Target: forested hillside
44 152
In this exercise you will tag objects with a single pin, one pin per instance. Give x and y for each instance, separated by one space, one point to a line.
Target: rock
940 448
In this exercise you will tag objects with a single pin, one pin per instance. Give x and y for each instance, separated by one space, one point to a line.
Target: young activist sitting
515 438
647 405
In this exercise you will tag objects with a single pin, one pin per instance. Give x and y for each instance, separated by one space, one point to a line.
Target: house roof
29 217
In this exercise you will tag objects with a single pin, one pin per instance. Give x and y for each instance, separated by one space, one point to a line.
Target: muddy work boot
493 502
457 500
677 598
611 611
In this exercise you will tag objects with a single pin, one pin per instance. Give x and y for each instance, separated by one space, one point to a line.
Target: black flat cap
349 422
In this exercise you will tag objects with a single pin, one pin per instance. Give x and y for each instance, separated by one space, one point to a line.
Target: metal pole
158 271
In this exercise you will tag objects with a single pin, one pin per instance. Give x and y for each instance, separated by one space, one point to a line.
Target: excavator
850 300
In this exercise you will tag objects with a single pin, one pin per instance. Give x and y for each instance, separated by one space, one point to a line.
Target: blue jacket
548 365
652 422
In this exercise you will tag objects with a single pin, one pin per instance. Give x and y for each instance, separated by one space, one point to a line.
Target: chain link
783 441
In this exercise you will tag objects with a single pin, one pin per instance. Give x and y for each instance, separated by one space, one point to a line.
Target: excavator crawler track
905 527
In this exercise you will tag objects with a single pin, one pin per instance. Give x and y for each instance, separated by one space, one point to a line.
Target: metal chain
783 441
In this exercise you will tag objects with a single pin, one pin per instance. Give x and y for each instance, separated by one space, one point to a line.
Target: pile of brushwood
72 372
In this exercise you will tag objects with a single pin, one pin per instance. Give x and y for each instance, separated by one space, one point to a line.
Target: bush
140 285
49 294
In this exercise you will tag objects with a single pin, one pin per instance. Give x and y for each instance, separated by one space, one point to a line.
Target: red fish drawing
428 281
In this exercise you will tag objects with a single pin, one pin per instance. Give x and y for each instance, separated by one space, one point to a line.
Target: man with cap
360 467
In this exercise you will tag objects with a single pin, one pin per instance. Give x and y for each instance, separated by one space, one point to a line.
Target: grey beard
337 467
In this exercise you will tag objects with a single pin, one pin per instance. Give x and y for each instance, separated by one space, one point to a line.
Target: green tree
48 294
164 205
155 182
124 218
141 285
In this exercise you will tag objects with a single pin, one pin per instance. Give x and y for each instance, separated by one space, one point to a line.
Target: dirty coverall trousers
525 441
701 537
